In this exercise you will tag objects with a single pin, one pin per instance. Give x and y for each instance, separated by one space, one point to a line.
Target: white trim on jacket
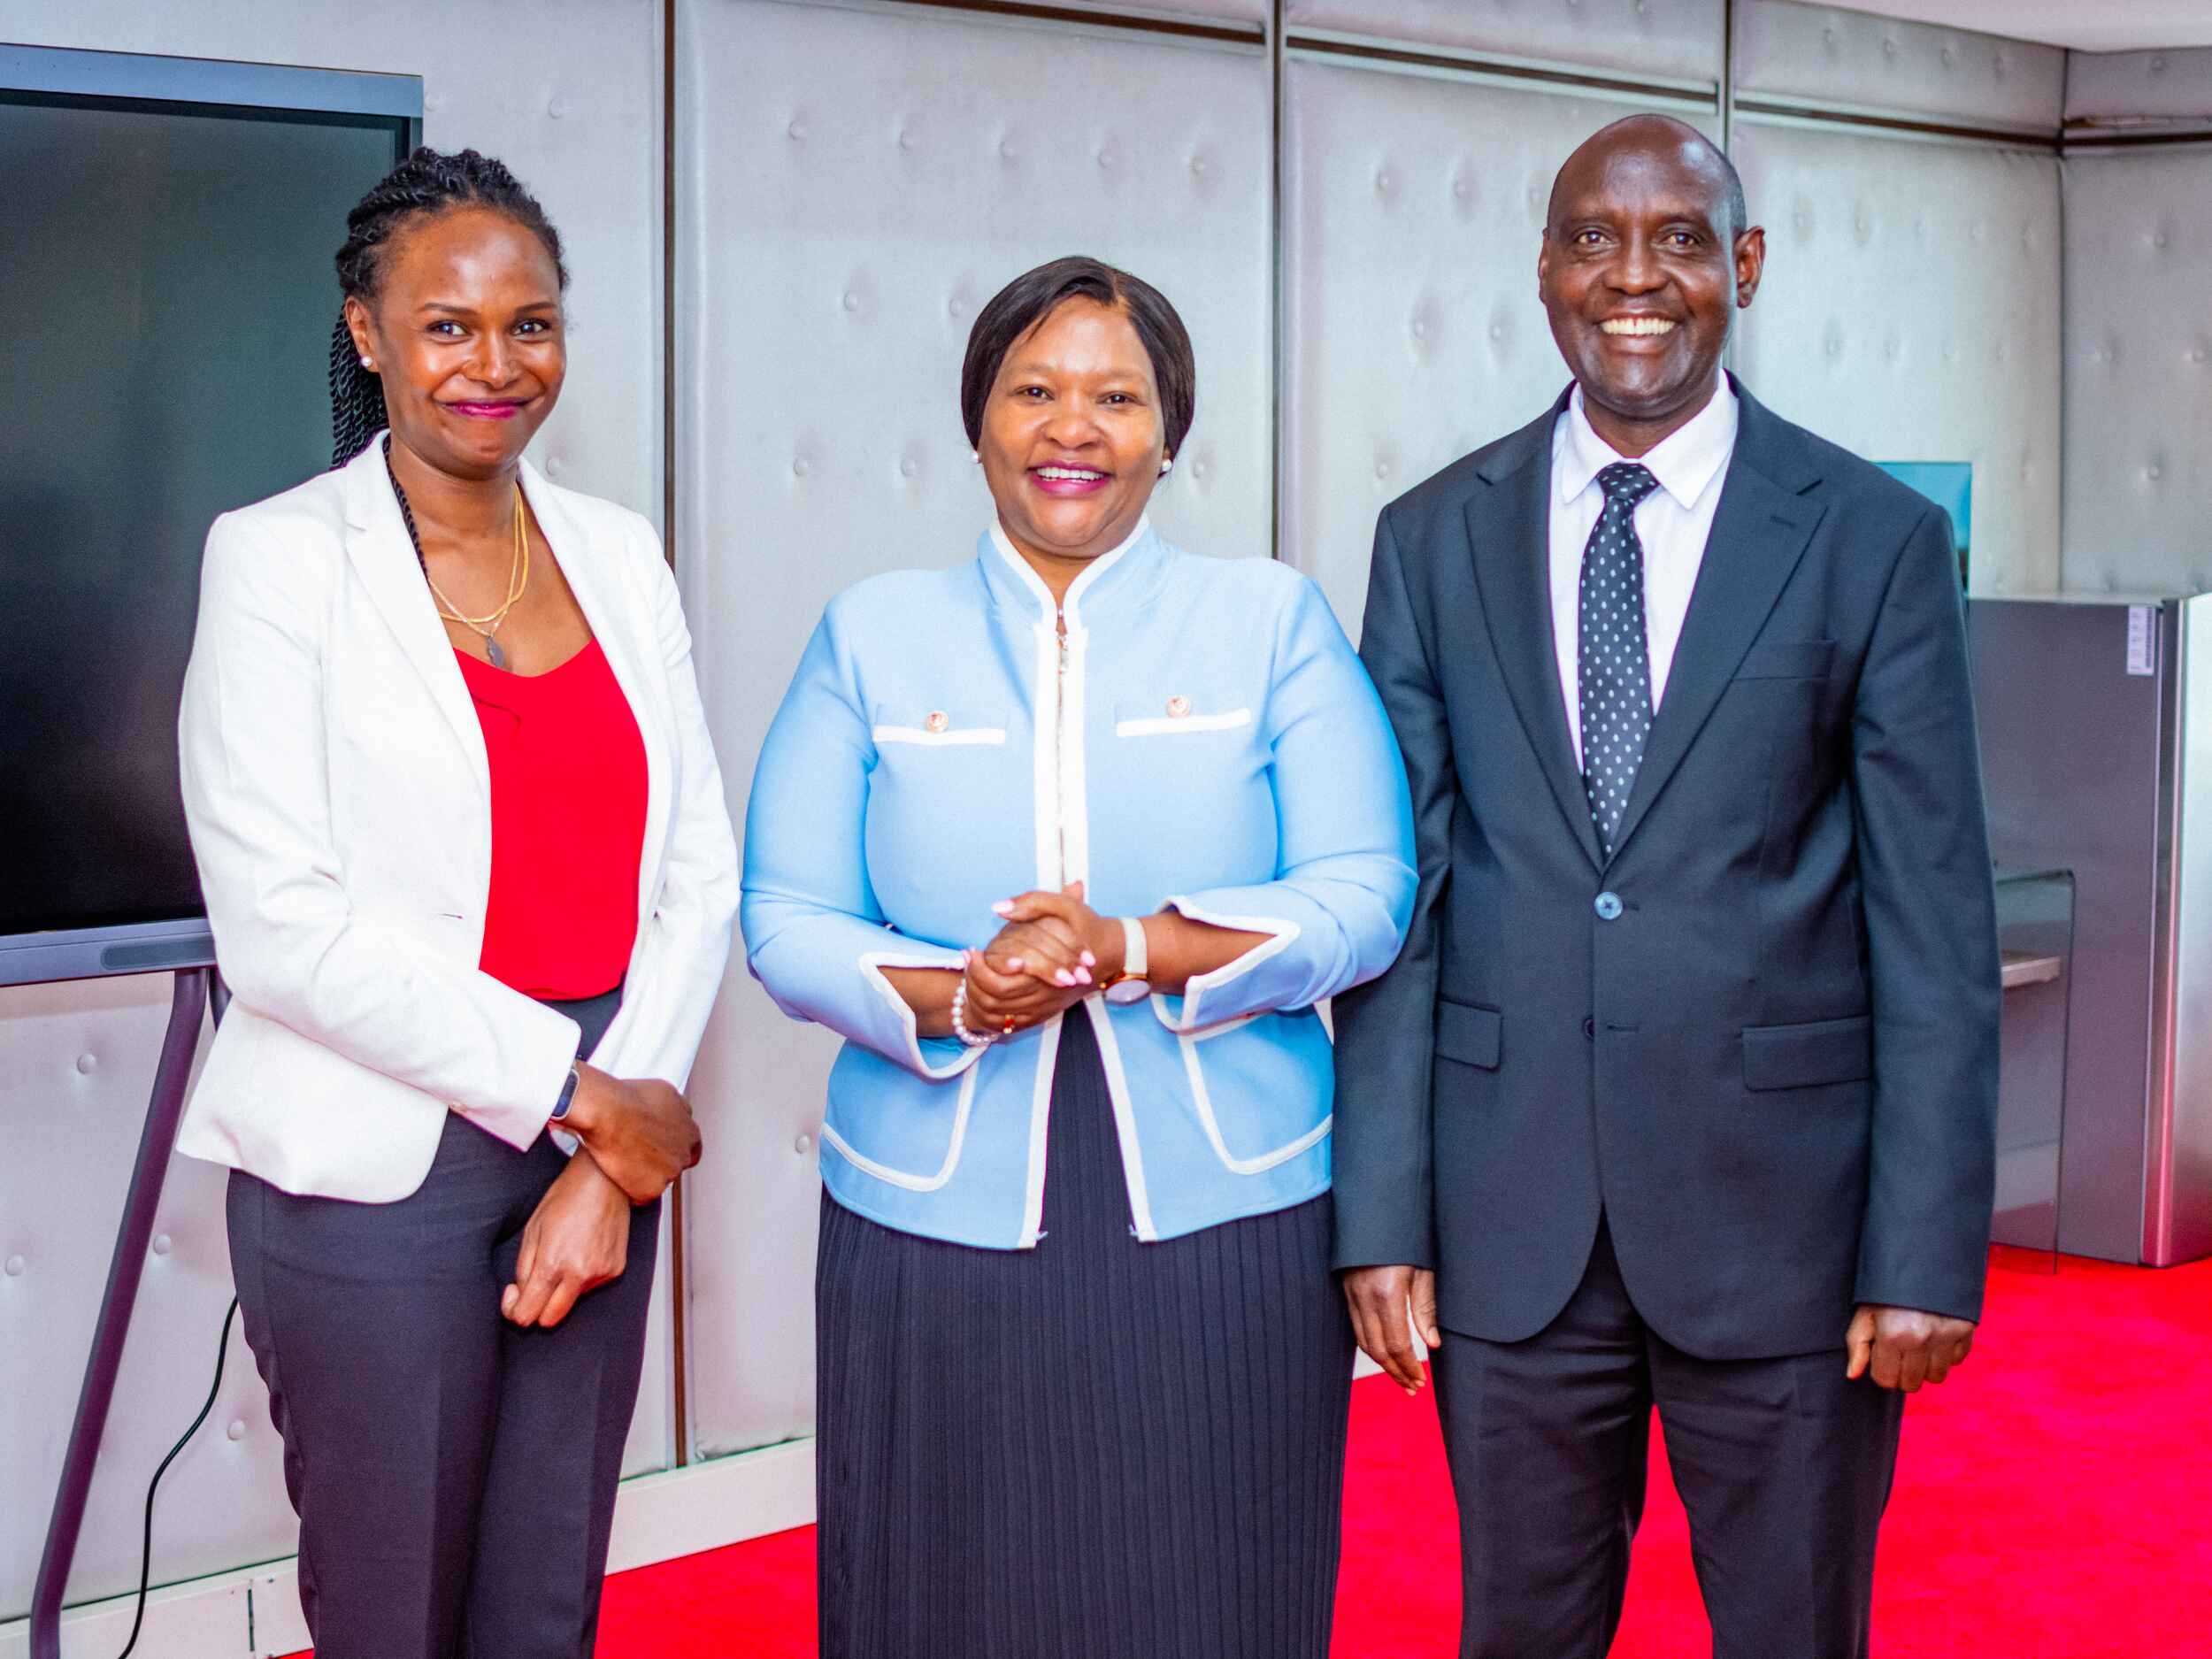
1064 852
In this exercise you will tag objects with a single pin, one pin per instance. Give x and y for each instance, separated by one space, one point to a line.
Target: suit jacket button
1608 907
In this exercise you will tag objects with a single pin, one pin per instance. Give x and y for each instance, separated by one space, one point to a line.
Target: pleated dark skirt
1096 1449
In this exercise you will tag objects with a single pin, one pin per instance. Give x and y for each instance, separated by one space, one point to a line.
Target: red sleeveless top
568 825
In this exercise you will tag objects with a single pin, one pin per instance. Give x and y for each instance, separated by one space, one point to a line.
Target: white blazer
339 801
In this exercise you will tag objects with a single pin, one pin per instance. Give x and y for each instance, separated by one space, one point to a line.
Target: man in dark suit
1683 1092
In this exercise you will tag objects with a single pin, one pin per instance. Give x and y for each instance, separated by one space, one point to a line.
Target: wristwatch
568 1093
1130 984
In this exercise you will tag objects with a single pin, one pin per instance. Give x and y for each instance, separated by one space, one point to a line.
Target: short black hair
428 182
1738 210
1034 294
1732 203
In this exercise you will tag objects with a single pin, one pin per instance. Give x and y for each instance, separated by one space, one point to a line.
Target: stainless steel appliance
2096 730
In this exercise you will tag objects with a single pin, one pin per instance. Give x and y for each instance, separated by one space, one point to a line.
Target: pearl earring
976 456
369 364
1167 465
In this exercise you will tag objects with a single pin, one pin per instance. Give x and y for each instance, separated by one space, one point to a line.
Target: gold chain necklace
488 626
517 572
517 579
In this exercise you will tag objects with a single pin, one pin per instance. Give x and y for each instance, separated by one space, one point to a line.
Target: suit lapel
1759 532
384 560
1508 533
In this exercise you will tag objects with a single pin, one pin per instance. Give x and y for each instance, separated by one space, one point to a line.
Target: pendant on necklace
498 658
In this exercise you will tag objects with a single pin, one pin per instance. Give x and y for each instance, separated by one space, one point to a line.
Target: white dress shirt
1673 523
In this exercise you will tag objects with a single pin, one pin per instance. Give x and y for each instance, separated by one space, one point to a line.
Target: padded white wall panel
1669 40
2175 86
2139 370
1244 12
1881 326
569 95
856 184
1827 56
1413 212
78 1061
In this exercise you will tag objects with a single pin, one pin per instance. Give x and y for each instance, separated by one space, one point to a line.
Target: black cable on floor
146 1550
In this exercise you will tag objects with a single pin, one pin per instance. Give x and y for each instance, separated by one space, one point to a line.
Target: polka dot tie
1615 662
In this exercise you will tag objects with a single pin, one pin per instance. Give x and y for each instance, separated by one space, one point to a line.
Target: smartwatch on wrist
1131 985
559 1113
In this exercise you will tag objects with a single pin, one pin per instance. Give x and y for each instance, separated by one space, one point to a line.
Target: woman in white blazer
471 876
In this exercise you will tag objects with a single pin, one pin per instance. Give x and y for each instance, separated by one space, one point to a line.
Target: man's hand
577 1240
1905 1347
1380 1300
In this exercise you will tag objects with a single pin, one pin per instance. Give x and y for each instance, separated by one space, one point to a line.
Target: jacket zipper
1140 1215
1034 1230
1060 741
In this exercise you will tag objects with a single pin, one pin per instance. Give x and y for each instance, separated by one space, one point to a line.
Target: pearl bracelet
960 1016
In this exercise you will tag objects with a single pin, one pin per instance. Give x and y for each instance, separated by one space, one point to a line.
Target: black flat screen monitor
167 300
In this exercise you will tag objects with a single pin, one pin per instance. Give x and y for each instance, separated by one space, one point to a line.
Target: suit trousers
453 1475
1783 1465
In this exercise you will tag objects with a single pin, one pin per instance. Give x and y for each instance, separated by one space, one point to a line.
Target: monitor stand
188 1003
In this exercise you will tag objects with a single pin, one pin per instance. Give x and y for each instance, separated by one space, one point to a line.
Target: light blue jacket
1210 742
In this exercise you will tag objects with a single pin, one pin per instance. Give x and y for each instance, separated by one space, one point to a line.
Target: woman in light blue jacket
1068 842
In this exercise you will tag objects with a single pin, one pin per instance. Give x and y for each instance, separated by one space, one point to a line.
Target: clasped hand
638 1135
577 1240
1053 951
641 1131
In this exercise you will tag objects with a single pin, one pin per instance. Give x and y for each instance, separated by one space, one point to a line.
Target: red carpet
2053 1498
2054 1502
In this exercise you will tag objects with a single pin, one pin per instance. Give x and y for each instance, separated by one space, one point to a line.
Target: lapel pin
938 720
1178 707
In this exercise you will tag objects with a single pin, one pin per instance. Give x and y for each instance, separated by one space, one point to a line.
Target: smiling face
1071 436
466 330
1642 274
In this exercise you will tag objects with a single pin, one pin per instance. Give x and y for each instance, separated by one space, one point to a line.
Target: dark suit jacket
1772 1063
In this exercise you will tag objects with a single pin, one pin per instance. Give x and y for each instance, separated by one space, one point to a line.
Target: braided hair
428 182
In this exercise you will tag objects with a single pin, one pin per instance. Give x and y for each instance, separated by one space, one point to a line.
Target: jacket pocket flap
937 730
1155 719
1469 1033
1788 659
1802 1056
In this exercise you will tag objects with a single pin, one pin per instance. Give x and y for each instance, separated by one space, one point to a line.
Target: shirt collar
1686 462
1027 581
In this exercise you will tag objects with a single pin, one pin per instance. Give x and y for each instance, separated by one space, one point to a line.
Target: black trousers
1783 1465
454 1476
